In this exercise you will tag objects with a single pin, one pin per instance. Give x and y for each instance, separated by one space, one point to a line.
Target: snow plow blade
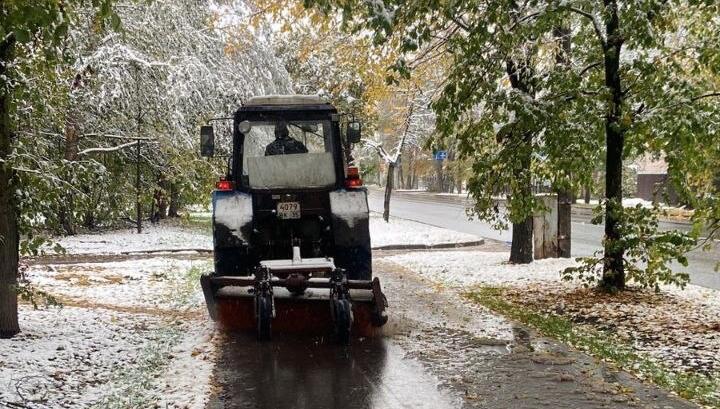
315 306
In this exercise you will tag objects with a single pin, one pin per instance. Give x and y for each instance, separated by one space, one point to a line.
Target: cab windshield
288 154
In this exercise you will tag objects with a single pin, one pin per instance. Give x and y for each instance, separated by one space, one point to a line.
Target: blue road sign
440 155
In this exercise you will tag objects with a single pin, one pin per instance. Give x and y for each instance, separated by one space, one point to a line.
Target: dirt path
437 352
60 259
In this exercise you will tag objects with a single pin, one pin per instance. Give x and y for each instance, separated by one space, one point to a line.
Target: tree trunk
564 230
410 170
439 176
174 206
9 237
138 204
564 196
613 268
587 194
401 176
521 248
67 206
72 143
89 220
160 197
388 191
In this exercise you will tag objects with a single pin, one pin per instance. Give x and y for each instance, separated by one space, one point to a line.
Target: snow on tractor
290 224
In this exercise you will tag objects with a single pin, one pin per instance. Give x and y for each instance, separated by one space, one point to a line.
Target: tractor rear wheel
343 321
264 318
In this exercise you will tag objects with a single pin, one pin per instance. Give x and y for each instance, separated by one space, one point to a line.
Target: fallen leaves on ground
674 330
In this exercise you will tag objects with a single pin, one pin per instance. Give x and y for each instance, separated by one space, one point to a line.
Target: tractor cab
289 208
287 143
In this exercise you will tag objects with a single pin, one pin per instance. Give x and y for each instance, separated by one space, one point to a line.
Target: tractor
291 223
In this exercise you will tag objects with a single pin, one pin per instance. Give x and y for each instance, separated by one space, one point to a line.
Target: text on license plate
288 210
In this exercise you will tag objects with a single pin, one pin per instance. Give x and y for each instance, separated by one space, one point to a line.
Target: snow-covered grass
147 283
635 201
154 237
184 383
130 334
405 232
70 357
602 339
463 268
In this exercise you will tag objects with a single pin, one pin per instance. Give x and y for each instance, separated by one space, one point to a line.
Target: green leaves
649 252
47 20
115 22
22 35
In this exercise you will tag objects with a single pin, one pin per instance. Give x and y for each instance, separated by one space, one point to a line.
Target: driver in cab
283 143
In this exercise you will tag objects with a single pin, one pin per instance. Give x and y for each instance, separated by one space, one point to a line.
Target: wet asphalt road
586 237
304 372
437 352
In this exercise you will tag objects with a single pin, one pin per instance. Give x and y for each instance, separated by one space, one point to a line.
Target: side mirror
207 141
354 132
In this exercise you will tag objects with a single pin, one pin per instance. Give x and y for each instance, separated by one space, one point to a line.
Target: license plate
288 210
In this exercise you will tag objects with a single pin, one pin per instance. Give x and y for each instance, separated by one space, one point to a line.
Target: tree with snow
629 68
107 96
406 115
45 23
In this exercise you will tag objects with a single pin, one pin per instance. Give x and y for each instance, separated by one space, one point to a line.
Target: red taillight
353 172
353 177
353 183
224 185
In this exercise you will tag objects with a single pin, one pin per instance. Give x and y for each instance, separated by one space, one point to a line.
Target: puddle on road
305 373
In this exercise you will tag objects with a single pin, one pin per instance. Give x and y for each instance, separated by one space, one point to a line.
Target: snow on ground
462 268
173 237
673 327
405 232
130 334
634 201
185 380
132 323
67 357
153 237
150 283
678 328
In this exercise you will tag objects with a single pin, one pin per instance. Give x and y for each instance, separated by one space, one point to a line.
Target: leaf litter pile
678 329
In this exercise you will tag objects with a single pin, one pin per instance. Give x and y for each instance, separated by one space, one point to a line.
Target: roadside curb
431 246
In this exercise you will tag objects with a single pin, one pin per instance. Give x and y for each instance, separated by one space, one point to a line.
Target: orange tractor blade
325 306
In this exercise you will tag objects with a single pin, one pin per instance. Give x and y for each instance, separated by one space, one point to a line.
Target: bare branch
111 136
595 22
408 118
379 148
710 95
589 67
108 149
524 18
691 100
460 23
